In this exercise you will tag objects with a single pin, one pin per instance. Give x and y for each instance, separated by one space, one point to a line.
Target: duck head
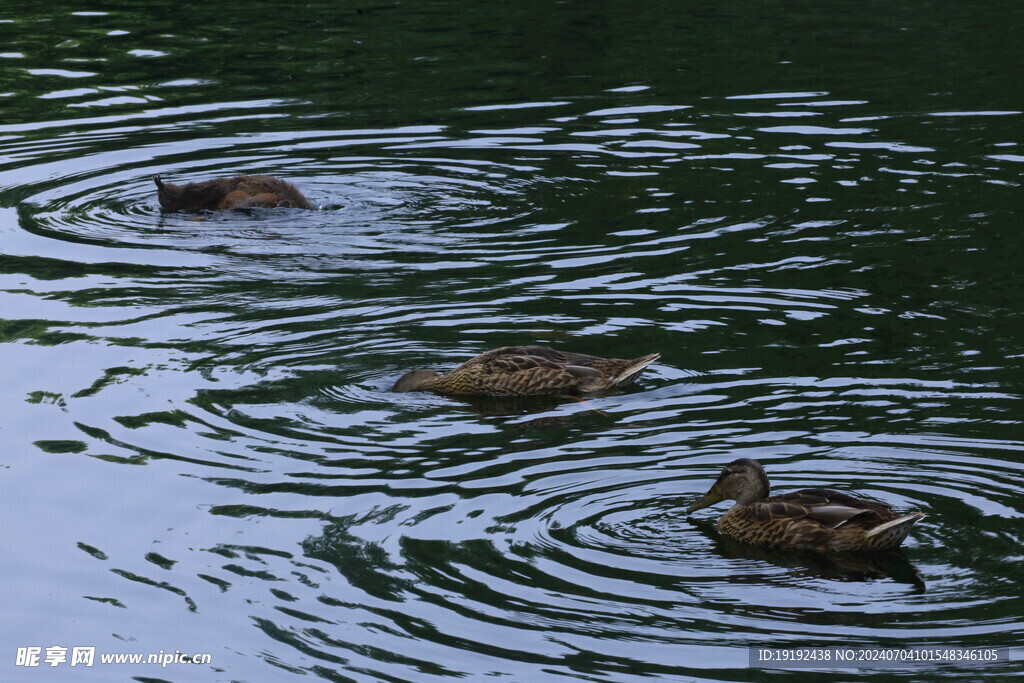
741 480
415 380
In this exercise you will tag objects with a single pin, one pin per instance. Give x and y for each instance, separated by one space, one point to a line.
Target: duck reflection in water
820 520
223 194
835 566
512 406
511 411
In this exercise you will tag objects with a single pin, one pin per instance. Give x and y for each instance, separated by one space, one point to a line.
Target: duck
818 520
528 371
222 194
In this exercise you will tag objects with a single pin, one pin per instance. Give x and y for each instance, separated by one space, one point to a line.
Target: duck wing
526 370
828 508
539 353
521 371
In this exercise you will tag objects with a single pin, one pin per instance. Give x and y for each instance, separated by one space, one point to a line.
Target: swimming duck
528 371
809 519
238 192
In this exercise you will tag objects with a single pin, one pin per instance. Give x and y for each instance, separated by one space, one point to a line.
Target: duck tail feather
904 521
636 368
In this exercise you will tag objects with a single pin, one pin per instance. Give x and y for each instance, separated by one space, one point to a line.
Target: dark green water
811 210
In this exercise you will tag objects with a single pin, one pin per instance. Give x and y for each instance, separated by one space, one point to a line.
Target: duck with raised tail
223 194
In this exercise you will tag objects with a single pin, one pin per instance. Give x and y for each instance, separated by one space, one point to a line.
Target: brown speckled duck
528 371
809 519
238 192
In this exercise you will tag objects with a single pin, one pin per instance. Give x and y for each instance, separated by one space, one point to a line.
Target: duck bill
710 498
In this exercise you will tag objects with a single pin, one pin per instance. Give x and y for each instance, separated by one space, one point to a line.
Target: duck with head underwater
223 194
810 519
528 371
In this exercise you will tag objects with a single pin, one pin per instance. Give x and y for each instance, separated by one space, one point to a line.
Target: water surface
811 212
